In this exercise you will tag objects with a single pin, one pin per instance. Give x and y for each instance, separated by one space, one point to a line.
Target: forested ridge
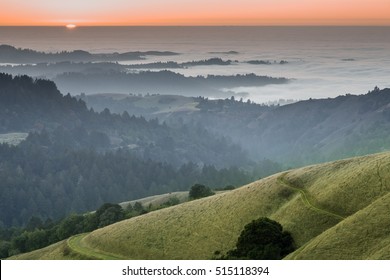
297 134
35 105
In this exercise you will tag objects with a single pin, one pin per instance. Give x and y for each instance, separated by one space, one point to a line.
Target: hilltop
335 210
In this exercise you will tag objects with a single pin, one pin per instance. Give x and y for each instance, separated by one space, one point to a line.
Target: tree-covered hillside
40 178
304 132
35 105
75 159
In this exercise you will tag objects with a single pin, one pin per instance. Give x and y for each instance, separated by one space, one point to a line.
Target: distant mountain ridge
80 71
10 54
325 129
304 132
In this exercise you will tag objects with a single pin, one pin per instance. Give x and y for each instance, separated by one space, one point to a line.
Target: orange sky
195 12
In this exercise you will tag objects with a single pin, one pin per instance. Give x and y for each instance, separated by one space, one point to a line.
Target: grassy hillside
337 210
158 200
366 234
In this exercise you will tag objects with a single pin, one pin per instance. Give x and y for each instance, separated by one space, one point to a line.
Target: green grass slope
158 200
365 235
337 210
56 251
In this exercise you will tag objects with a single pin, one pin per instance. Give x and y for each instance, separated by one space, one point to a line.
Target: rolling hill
335 210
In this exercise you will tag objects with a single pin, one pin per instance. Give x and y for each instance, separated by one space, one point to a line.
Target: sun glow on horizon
71 26
193 12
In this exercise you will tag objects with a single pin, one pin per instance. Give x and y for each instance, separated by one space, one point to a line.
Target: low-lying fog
321 61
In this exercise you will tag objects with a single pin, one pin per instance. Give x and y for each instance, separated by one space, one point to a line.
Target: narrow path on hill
283 181
75 243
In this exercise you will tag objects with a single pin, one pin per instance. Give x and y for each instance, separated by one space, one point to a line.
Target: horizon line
224 25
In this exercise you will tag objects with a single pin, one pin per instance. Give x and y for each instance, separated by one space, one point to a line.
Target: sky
194 12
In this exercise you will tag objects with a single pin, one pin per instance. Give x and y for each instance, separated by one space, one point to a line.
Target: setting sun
71 26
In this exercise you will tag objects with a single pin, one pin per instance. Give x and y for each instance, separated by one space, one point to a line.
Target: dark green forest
38 179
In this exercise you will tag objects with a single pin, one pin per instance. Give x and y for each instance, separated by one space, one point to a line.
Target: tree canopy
262 239
199 191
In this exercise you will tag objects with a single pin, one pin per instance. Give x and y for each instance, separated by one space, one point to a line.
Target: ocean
322 61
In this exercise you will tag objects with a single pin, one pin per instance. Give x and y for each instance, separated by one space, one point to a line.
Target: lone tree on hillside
109 213
199 191
262 239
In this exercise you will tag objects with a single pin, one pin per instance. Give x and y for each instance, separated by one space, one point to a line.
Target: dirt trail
76 244
283 181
